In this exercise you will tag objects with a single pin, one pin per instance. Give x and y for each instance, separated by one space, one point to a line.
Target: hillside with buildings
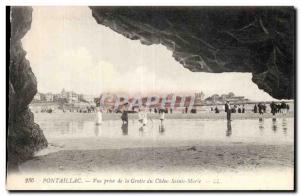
216 99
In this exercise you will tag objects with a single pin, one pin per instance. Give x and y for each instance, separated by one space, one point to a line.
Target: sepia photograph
164 98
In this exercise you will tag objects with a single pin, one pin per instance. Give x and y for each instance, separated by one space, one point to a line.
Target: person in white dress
142 115
145 119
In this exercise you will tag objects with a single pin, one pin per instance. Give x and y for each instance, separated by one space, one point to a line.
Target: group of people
261 108
275 108
233 109
142 117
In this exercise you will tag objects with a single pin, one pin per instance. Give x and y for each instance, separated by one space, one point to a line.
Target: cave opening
70 53
68 50
63 58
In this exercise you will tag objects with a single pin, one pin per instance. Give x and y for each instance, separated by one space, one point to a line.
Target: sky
68 49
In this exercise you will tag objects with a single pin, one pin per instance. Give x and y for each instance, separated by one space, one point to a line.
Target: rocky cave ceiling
259 40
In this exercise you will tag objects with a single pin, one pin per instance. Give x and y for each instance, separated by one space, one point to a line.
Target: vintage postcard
151 98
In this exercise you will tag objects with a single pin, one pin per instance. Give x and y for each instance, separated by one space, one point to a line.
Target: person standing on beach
255 108
239 109
145 118
243 109
217 110
260 109
142 115
124 116
273 108
228 110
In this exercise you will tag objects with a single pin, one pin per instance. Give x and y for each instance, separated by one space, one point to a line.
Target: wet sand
206 148
202 115
207 156
209 150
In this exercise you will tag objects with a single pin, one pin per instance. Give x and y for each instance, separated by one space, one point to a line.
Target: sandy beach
117 116
201 146
215 157
190 150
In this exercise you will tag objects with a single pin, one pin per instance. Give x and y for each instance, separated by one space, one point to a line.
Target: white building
49 97
37 97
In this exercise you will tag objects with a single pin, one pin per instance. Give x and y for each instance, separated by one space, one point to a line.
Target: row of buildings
197 99
63 96
73 97
221 99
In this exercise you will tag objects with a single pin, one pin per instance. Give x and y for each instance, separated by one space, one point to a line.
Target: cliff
24 137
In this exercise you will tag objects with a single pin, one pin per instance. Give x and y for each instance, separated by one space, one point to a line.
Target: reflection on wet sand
274 124
262 130
228 131
97 130
124 129
141 131
261 125
80 125
284 126
161 129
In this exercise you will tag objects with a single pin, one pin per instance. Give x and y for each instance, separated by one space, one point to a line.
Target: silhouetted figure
234 109
260 109
228 110
217 110
124 117
283 107
243 109
171 110
273 108
239 110
264 108
255 108
186 110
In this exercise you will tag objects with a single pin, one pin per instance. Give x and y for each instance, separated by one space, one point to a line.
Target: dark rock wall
24 137
217 39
